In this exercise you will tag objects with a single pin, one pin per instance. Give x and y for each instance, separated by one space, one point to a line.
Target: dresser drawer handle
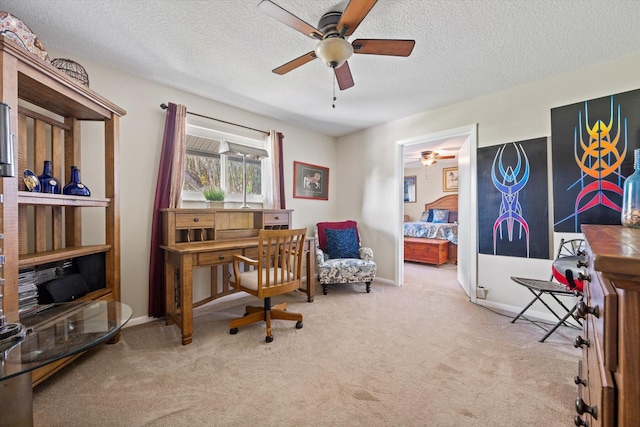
580 422
579 342
582 408
221 257
583 309
579 381
196 219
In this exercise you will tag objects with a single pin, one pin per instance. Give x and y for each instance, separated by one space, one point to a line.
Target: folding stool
538 288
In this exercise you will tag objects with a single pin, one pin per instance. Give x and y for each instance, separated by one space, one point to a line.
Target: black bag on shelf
62 289
92 268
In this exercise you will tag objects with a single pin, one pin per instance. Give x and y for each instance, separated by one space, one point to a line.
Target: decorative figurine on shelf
74 187
48 183
31 181
631 197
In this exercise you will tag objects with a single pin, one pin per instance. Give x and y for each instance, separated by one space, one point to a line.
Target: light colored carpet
416 355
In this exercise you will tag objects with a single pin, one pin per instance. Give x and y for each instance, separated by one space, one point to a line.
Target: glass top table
59 331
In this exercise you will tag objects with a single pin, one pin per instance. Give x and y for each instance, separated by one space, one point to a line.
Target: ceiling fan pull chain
334 91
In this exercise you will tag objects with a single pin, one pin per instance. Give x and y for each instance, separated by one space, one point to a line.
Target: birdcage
72 69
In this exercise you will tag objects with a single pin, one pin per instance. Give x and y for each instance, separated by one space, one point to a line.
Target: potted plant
214 197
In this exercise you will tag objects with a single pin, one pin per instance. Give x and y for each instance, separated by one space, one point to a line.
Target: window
205 168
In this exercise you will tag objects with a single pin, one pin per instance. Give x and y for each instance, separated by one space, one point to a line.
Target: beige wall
517 114
140 144
373 193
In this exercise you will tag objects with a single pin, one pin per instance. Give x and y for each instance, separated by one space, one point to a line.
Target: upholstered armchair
339 256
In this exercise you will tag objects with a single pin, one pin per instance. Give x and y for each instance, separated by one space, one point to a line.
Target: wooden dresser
609 373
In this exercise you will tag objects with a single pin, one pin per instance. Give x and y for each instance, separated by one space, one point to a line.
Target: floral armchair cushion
360 268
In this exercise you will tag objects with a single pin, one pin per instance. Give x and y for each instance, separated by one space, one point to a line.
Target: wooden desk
181 259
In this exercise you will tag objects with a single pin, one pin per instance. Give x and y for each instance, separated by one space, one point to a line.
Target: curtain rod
165 106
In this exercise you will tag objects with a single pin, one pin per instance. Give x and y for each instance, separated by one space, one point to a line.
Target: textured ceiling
225 50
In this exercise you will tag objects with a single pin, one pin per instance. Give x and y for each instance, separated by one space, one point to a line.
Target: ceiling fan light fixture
428 161
334 51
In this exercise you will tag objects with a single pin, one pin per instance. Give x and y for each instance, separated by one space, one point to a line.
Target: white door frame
467 190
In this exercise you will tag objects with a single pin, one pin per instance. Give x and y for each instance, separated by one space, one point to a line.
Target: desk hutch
195 238
40 228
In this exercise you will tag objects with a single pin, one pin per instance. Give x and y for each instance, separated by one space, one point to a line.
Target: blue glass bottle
48 183
630 216
74 187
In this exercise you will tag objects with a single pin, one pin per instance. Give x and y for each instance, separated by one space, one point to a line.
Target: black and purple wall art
513 217
592 153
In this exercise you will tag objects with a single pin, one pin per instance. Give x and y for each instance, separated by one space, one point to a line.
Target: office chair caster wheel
269 338
299 324
233 331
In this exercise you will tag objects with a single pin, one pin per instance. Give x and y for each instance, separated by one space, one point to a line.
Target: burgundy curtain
173 125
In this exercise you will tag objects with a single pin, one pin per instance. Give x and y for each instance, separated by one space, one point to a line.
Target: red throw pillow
322 236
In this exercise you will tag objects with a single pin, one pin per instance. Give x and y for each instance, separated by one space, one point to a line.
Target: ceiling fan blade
292 65
383 47
445 157
289 19
344 77
353 14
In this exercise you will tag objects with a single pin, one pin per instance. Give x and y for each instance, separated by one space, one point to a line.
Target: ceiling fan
333 48
430 157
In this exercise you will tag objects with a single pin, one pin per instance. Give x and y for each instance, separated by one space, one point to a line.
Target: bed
433 242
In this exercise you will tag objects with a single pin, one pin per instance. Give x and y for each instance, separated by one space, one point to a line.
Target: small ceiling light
427 161
334 51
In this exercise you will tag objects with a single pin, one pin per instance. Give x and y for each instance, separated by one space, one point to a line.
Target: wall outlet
481 292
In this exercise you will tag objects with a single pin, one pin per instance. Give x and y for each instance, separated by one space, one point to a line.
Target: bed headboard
449 202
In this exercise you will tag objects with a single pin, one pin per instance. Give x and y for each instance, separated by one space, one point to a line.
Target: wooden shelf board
27 197
32 259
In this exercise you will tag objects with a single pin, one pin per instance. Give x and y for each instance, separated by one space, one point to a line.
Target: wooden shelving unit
47 109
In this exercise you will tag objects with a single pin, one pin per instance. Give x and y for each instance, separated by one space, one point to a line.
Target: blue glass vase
630 216
48 183
74 187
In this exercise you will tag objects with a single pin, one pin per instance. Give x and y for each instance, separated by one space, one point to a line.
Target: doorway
467 201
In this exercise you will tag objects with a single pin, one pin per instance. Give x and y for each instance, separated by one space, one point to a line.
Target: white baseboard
531 313
384 281
139 321
220 303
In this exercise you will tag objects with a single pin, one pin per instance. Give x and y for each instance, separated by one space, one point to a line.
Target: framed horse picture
310 181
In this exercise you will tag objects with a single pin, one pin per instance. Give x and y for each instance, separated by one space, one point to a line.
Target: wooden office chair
276 271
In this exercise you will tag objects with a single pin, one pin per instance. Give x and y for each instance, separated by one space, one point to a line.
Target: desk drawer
280 218
251 253
217 257
601 294
194 220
